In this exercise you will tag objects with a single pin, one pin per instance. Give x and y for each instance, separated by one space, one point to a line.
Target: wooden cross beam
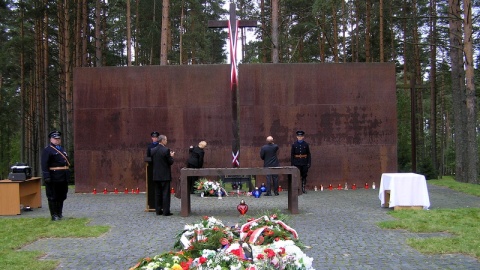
233 24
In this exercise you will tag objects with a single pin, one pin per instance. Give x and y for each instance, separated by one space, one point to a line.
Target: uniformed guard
56 174
149 171
148 156
300 157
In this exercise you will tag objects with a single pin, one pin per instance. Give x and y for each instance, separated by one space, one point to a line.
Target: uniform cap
155 134
55 134
300 133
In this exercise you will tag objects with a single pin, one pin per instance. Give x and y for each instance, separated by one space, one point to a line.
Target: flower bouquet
209 187
262 243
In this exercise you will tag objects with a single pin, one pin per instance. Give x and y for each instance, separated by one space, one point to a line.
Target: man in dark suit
301 158
268 153
195 160
162 160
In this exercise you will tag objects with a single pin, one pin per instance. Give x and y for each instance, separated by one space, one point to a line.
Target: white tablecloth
406 189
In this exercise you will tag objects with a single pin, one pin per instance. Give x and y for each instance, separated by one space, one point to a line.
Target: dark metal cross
233 24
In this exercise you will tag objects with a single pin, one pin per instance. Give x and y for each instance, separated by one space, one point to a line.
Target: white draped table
405 189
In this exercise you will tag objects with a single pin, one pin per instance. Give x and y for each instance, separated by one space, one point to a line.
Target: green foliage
18 232
426 168
448 181
460 224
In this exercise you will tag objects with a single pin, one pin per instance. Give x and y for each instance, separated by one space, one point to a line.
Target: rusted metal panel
116 109
348 112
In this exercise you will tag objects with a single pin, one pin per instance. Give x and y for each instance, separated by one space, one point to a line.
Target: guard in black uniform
56 174
148 159
301 157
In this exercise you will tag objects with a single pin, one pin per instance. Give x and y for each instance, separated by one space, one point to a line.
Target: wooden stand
398 207
15 193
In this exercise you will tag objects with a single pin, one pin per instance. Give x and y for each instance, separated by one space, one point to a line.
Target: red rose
282 250
260 240
202 260
277 239
246 228
260 257
270 252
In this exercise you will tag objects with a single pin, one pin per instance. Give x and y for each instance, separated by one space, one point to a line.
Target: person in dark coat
301 158
148 157
268 153
195 160
56 174
162 160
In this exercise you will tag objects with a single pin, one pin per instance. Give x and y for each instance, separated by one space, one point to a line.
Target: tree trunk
471 110
85 35
23 96
344 22
275 7
433 82
458 91
382 56
98 26
367 31
165 31
129 35
335 32
264 31
137 31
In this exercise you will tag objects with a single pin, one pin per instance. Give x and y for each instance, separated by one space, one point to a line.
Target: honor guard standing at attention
301 157
154 143
56 174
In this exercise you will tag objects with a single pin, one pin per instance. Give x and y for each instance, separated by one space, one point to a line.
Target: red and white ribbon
233 54
258 231
235 161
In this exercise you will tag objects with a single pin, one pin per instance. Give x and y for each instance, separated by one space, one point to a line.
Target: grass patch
17 233
462 224
448 181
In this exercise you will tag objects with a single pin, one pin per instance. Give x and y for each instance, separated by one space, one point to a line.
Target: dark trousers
56 191
162 196
272 178
303 172
191 180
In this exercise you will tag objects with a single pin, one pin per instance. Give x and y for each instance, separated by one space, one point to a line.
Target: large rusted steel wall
348 112
116 109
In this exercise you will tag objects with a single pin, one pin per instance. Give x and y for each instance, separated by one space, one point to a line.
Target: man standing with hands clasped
268 153
301 158
162 160
56 173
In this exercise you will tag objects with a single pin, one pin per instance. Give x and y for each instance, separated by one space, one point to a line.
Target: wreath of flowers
260 244
209 187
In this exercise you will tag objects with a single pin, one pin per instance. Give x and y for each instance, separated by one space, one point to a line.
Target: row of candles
339 187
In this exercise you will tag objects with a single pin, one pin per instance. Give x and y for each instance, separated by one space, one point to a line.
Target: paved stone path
339 226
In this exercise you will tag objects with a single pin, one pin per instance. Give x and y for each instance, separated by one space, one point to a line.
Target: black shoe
268 194
276 194
168 214
55 218
159 213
